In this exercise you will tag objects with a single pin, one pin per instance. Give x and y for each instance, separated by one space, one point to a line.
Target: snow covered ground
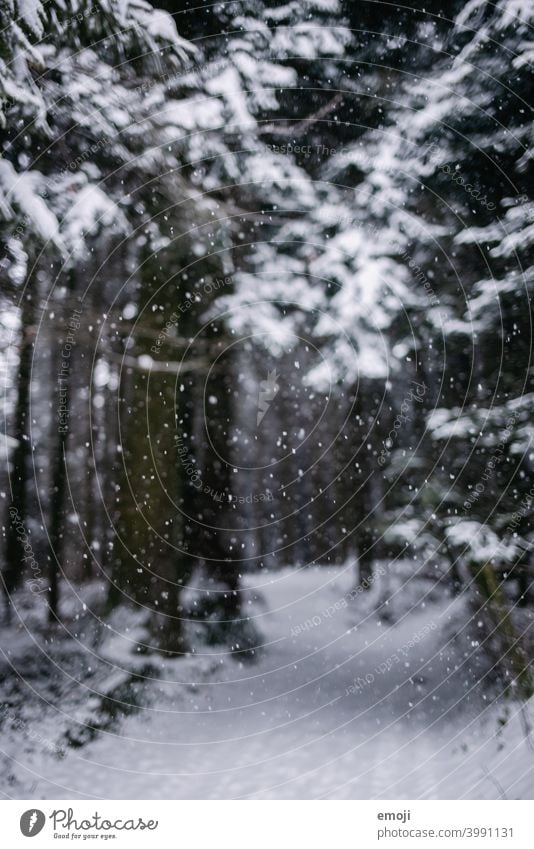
338 704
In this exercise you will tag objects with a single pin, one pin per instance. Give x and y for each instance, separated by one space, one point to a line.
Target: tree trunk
14 547
510 651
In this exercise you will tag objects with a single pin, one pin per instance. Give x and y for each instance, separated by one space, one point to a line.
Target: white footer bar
269 824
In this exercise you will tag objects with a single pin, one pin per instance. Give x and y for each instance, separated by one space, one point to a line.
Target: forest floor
297 723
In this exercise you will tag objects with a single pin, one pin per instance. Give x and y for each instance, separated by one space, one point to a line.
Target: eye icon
32 822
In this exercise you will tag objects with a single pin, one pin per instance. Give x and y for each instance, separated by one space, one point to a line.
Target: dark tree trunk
215 511
62 365
369 535
57 517
148 567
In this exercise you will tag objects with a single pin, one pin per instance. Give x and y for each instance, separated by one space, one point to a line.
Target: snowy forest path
326 711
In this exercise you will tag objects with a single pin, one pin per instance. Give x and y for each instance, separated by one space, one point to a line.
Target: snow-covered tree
447 176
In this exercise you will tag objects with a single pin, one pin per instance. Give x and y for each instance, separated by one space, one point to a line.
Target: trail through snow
289 726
